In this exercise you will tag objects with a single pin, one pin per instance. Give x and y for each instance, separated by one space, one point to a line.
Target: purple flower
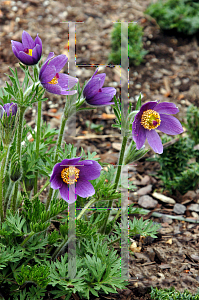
154 115
29 51
8 108
75 174
53 81
95 94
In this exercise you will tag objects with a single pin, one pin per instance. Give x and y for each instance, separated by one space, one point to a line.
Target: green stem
3 163
8 196
59 141
117 177
30 88
39 108
41 190
85 208
27 239
19 138
63 245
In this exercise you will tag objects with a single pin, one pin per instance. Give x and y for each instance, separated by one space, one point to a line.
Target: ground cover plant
35 238
136 51
179 15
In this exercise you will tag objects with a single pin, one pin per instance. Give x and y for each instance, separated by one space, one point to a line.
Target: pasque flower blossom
53 81
74 174
154 115
8 108
95 94
29 51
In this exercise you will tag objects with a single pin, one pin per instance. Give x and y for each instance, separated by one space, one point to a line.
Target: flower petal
59 62
70 162
138 132
17 45
170 125
148 105
154 141
27 40
93 85
36 53
52 88
25 58
166 108
50 55
67 193
48 74
89 171
67 82
38 41
84 188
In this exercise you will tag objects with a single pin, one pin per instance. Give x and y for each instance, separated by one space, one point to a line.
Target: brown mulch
169 73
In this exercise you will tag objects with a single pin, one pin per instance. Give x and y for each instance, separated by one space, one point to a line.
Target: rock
165 219
189 195
163 198
147 202
194 215
179 209
145 190
194 207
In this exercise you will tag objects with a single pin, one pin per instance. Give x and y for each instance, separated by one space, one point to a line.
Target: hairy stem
117 177
18 150
3 163
39 108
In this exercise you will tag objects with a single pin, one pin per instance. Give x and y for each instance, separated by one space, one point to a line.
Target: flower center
55 79
150 119
70 175
28 51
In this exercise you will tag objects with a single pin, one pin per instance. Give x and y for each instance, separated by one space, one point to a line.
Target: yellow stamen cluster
29 52
70 175
54 80
150 119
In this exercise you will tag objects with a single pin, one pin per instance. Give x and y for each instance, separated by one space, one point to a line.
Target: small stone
194 207
194 215
167 220
163 198
179 209
189 195
147 202
145 190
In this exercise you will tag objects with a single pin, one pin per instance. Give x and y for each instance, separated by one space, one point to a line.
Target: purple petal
1 111
38 41
17 46
48 74
166 108
70 161
64 92
154 141
89 171
57 182
59 62
50 55
84 188
53 88
66 81
138 133
27 40
57 173
70 197
36 53
25 58
170 125
148 105
102 98
93 86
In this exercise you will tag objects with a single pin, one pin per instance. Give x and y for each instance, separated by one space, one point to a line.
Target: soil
168 73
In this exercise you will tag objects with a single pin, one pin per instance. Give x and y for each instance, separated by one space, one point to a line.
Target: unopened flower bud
15 168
